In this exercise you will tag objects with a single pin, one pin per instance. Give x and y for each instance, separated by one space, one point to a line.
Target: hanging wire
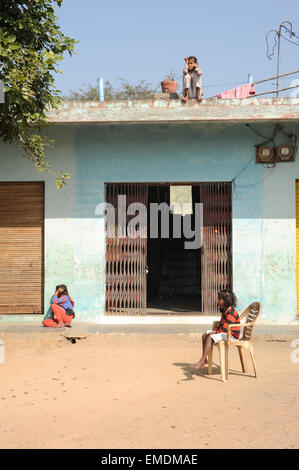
286 39
290 30
236 186
265 165
243 169
277 128
257 132
278 33
257 182
224 84
275 44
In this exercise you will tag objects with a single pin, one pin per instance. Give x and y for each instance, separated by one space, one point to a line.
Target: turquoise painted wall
263 203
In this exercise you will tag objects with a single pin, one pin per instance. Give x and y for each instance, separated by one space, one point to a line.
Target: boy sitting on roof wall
192 87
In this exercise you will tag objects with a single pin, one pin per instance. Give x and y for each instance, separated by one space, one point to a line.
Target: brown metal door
21 247
216 258
126 257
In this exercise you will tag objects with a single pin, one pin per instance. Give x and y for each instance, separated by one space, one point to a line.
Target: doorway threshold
157 319
170 312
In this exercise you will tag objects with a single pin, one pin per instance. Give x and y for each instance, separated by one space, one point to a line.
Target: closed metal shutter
297 244
21 247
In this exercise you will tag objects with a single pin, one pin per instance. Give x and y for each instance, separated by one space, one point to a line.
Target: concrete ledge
261 332
157 111
156 320
138 320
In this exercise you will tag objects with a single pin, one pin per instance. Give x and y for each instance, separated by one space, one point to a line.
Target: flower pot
169 86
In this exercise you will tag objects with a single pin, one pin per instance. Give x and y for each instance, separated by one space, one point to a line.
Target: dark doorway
174 272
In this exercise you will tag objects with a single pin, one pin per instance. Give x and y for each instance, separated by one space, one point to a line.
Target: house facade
142 150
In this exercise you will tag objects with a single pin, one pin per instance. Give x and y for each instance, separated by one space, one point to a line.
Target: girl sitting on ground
226 303
61 311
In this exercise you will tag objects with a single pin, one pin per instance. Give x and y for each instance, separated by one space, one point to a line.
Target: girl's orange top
229 317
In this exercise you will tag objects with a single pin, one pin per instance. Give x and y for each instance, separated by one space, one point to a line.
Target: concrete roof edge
169 111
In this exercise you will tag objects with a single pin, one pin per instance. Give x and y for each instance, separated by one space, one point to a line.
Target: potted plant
169 85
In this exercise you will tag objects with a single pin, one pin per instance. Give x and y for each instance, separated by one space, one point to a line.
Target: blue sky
145 39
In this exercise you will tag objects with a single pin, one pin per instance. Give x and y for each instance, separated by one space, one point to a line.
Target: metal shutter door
21 247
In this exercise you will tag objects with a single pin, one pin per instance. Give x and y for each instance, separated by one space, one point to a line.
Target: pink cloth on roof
242 91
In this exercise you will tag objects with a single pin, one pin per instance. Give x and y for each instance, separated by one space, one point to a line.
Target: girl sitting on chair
227 302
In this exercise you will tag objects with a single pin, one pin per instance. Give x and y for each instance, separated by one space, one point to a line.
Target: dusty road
136 391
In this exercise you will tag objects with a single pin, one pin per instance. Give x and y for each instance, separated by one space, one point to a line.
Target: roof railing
267 80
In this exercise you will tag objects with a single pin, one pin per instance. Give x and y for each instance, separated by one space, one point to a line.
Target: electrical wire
236 186
257 182
290 31
257 132
276 129
275 44
225 84
292 42
279 34
243 169
242 83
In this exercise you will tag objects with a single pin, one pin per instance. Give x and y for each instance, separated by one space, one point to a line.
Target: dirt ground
135 391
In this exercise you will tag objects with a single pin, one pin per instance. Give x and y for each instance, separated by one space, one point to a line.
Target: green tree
31 45
127 91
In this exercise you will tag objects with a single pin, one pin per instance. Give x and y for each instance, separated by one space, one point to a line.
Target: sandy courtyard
135 391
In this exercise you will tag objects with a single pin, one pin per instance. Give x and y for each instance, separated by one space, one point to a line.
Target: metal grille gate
216 257
126 257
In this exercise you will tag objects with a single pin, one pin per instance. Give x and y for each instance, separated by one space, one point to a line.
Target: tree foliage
127 91
31 46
